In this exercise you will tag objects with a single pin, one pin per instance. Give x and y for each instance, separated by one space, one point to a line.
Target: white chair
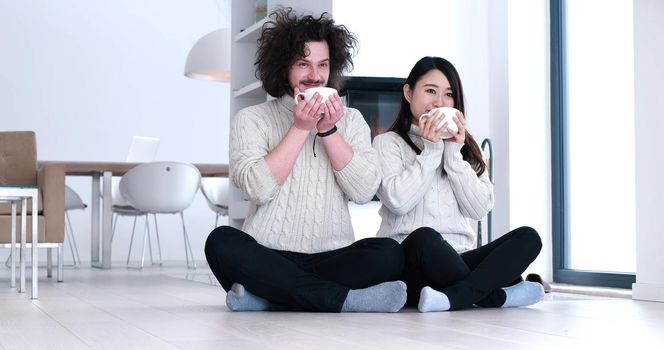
161 188
215 191
72 202
142 149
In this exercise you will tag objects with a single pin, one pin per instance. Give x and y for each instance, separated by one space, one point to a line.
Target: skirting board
648 292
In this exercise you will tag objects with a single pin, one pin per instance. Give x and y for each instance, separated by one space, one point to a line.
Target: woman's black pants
472 277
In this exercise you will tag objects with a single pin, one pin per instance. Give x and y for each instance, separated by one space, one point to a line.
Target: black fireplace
379 100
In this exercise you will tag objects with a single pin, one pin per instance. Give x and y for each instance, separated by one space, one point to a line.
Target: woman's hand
460 135
428 128
333 111
307 114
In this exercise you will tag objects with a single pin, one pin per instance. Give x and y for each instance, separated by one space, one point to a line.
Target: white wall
529 124
649 78
391 45
88 75
499 92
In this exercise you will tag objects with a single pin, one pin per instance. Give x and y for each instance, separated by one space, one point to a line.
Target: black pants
298 281
473 277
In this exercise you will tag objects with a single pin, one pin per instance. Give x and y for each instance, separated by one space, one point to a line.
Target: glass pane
600 149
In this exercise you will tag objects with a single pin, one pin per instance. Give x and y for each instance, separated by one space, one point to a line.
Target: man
296 250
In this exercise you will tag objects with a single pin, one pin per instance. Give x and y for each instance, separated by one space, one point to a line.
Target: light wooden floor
164 308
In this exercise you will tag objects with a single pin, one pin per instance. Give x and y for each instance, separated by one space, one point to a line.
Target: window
593 142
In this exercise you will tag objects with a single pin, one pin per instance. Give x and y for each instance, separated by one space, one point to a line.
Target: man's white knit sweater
308 213
414 194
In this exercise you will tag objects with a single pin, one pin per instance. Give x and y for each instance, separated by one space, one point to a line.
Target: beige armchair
18 166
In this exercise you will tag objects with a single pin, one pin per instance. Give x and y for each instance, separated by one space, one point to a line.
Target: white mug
448 114
307 94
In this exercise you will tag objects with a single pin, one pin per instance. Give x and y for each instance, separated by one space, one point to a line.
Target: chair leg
145 240
68 235
216 220
156 231
147 226
61 259
73 247
12 256
145 237
115 221
77 261
131 241
49 262
187 245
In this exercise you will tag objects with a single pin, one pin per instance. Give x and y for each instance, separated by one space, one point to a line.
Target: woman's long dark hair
470 151
283 40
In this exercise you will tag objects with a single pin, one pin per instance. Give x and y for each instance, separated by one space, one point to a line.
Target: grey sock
384 297
523 294
433 300
239 299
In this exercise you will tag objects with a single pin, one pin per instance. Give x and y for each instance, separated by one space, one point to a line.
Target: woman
429 191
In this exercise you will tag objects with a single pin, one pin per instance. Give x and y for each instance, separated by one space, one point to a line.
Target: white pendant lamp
209 59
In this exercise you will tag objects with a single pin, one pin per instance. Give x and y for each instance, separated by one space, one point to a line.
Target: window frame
560 171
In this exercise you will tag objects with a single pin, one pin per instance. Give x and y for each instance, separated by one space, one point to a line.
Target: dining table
101 173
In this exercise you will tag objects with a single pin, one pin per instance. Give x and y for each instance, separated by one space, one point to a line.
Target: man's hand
307 114
333 111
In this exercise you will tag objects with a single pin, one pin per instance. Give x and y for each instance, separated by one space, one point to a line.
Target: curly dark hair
283 40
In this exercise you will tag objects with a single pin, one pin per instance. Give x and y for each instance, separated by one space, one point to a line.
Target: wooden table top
87 168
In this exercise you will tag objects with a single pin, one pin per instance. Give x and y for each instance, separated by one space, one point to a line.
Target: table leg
35 246
106 222
94 230
102 214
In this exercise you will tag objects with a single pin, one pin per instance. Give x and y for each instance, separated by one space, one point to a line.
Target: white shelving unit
252 33
246 89
254 89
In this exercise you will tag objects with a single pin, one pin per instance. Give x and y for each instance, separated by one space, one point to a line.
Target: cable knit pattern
309 212
414 194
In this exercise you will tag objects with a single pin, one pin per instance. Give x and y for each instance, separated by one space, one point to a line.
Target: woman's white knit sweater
308 213
414 194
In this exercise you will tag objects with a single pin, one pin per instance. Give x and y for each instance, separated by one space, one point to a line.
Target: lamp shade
209 58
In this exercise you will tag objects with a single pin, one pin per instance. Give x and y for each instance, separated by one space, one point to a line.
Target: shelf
251 33
254 89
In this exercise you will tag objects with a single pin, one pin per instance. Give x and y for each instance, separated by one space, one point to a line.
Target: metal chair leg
70 238
156 231
49 262
187 245
115 221
147 226
12 250
61 259
131 241
145 238
77 262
